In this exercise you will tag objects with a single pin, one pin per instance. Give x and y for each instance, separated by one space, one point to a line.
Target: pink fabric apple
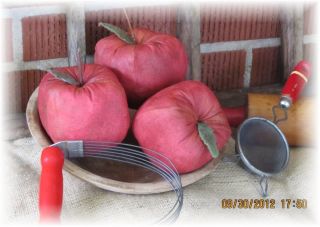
153 62
167 123
97 110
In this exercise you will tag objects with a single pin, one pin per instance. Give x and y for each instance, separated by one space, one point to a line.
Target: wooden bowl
112 175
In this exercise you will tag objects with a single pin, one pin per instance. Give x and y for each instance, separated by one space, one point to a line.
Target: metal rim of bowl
243 157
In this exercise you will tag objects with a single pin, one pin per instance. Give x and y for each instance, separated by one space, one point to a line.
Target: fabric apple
88 107
185 123
144 62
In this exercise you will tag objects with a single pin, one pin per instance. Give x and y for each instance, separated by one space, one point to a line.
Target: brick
239 22
44 37
156 18
12 91
266 66
223 70
7 40
30 80
21 85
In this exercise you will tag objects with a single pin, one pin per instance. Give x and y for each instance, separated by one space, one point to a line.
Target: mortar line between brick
34 65
238 45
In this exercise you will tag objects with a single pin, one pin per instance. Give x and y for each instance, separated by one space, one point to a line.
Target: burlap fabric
85 203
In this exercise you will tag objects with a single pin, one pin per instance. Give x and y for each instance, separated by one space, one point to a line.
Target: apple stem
121 34
129 23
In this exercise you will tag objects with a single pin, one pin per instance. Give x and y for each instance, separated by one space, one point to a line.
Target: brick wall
240 44
227 23
44 37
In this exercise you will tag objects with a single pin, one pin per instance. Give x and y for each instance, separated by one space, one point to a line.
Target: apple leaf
121 34
63 76
208 138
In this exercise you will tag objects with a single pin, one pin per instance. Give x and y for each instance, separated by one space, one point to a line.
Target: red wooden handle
51 184
296 81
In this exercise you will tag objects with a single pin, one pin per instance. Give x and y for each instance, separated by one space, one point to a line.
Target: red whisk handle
51 184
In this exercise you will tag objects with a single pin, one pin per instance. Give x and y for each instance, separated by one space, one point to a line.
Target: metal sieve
262 148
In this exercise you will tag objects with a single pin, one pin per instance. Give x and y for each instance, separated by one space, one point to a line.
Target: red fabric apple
183 122
144 65
95 110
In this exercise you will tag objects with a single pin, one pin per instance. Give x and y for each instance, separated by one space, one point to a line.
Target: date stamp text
263 203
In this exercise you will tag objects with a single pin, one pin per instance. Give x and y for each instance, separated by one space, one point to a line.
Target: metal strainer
262 147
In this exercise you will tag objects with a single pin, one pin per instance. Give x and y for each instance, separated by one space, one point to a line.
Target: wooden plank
188 30
75 31
291 37
298 128
298 32
173 20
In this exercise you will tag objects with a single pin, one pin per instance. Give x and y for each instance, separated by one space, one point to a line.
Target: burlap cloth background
85 203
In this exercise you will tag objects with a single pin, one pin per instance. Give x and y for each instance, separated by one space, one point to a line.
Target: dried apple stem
129 24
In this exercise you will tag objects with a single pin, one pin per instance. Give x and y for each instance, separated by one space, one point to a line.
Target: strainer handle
264 186
295 84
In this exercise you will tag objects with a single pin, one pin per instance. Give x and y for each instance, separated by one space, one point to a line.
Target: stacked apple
181 119
95 109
